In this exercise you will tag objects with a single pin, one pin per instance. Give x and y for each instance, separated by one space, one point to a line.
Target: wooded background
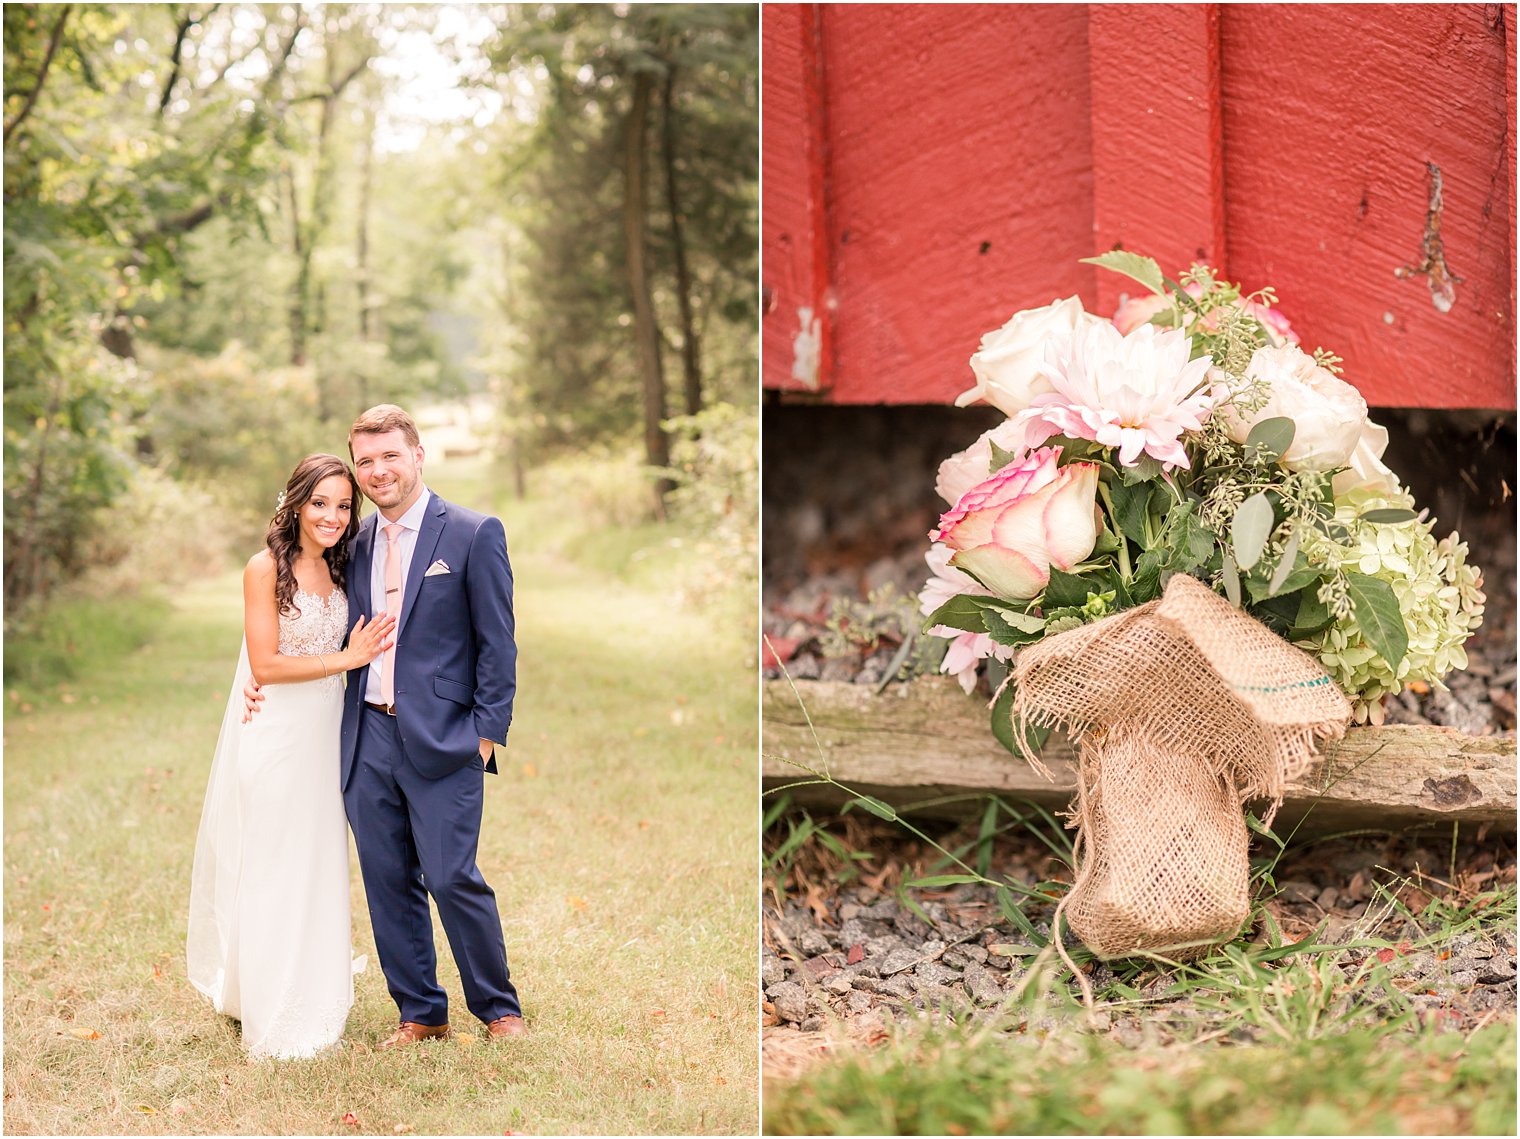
230 227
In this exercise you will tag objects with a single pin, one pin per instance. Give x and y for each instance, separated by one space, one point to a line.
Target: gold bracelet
323 659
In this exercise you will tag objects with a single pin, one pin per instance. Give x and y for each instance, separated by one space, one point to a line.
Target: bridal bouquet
1191 434
1185 544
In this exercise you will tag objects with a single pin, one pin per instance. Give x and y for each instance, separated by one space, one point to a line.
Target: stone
813 942
812 1024
837 670
1328 897
935 973
789 999
839 984
899 959
805 666
882 946
983 984
858 1003
1297 891
898 987
772 971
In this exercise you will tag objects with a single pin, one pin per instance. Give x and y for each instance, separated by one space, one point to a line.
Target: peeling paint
1443 282
806 348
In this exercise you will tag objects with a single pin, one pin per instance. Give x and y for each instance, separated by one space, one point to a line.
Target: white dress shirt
412 521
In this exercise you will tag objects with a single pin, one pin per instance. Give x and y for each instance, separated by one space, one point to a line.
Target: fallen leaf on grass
145 1109
576 903
351 1119
530 771
467 1039
644 824
656 1012
84 1033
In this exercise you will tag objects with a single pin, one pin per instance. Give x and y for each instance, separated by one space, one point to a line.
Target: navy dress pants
417 837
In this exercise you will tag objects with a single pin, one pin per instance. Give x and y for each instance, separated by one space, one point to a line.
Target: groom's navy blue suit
412 782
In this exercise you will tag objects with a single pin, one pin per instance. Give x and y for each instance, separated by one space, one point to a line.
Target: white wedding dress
269 937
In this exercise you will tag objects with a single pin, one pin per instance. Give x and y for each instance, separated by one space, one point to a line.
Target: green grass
619 839
961 1081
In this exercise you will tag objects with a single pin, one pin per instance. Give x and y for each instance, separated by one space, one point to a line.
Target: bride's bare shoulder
260 566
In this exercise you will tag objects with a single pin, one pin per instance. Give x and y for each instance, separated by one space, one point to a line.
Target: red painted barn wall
961 159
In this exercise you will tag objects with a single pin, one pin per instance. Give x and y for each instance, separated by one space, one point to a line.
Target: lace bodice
320 626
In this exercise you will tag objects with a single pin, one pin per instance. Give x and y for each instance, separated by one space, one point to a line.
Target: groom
419 727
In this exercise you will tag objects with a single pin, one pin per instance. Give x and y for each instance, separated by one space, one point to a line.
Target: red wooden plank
1157 137
1329 185
961 188
795 327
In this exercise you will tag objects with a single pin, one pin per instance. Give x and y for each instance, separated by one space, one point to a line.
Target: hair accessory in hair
279 503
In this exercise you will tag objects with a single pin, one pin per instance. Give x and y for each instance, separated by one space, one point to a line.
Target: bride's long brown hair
284 534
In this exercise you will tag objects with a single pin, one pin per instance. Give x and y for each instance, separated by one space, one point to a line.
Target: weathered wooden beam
924 741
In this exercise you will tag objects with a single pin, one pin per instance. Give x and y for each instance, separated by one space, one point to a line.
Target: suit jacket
456 656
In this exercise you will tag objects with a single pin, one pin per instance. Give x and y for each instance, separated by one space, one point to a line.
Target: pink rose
964 469
1011 528
1139 310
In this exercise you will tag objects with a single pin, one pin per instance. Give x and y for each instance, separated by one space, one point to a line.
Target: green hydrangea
1440 595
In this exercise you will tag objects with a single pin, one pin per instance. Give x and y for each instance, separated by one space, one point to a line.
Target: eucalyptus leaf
1377 614
1231 580
1250 530
1270 439
1388 515
1284 564
1132 265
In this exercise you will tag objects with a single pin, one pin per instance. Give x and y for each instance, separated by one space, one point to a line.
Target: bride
269 938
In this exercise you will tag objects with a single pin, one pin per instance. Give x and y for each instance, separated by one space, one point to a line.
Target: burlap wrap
1181 709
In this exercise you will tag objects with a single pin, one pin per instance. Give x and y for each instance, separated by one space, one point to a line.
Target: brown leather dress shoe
411 1032
506 1026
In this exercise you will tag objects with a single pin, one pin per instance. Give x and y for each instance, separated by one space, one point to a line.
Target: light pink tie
393 607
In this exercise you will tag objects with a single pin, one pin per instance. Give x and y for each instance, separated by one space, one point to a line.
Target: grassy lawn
619 838
962 1081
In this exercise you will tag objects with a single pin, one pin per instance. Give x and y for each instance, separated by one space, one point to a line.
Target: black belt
388 709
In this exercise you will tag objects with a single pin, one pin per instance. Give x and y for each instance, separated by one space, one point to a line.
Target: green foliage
572 364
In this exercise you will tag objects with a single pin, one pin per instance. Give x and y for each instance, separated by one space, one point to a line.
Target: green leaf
1377 613
1010 628
1065 589
1107 542
960 612
1147 468
942 880
1003 727
875 806
1251 529
1313 615
1132 265
1270 439
1002 718
1131 504
1000 458
1388 515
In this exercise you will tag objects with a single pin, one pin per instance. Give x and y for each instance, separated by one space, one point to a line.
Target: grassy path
620 839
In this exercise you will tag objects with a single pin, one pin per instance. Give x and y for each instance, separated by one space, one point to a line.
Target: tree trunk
297 313
645 329
361 257
691 360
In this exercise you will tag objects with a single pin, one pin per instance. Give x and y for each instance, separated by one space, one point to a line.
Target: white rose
1366 465
1007 365
964 469
1328 414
